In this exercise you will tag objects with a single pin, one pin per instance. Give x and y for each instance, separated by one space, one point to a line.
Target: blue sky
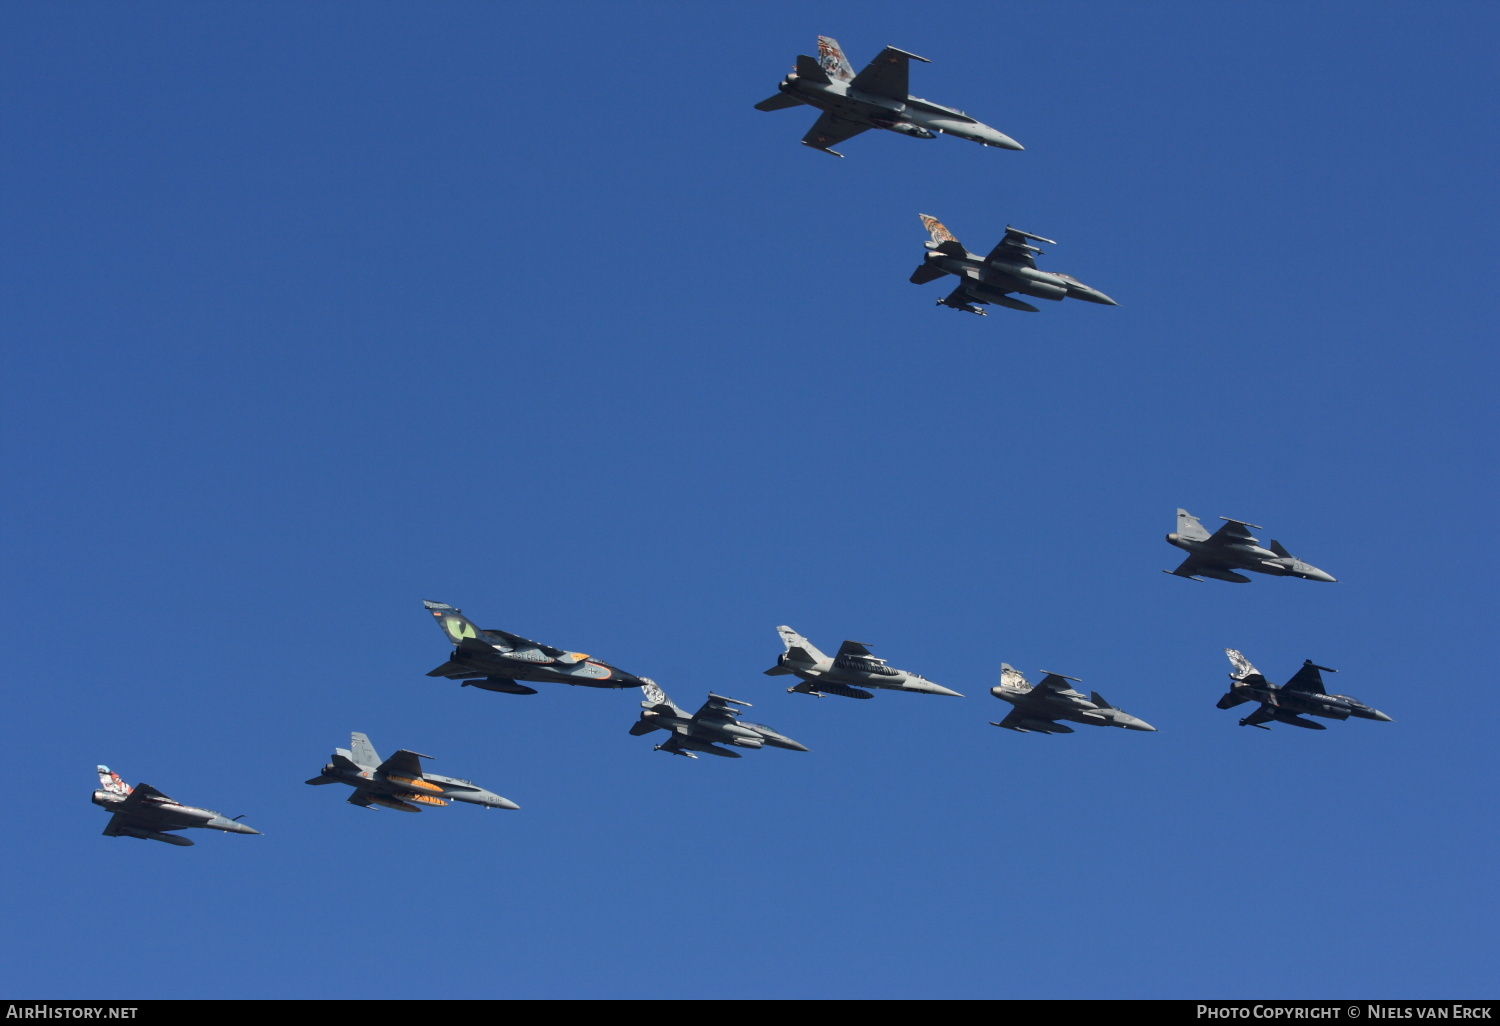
314 311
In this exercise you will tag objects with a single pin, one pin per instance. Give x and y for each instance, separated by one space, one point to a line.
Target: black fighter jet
495 660
1302 694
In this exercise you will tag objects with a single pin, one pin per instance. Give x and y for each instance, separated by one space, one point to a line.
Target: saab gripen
496 660
1302 694
1008 268
143 811
1232 547
716 723
1038 707
847 673
875 98
399 782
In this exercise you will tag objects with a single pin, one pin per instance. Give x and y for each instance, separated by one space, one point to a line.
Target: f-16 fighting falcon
875 98
718 721
1039 707
852 665
398 782
143 811
1302 694
495 660
1009 267
1232 548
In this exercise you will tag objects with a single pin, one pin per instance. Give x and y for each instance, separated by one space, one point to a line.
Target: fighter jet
853 664
495 660
718 721
143 811
875 98
398 782
1009 267
1302 694
1037 708
1232 548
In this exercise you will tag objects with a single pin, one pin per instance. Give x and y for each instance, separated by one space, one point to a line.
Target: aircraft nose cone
1140 725
938 689
1319 575
504 803
1003 141
796 746
240 828
1382 716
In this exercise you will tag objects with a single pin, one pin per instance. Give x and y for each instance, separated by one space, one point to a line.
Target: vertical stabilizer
110 781
799 647
832 60
1012 678
1244 672
655 696
1189 528
362 750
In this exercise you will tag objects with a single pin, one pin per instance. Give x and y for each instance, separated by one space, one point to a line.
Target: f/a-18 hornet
1302 694
1009 267
716 723
143 811
398 782
1231 548
852 665
495 660
875 98
1039 707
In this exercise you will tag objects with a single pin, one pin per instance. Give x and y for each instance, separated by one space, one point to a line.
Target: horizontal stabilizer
926 273
777 671
781 101
454 671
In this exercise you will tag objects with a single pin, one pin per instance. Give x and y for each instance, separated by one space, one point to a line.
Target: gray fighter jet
1037 708
1009 267
875 98
1232 548
143 811
852 665
1302 694
495 660
716 723
398 782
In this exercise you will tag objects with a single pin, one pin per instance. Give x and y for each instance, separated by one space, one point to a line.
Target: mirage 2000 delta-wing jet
1037 708
1302 694
399 782
852 665
1009 267
1231 548
495 660
143 811
875 98
716 723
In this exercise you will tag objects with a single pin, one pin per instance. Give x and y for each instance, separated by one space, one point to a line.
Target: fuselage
1248 556
1003 277
1065 705
157 814
427 789
918 118
860 671
1309 703
535 665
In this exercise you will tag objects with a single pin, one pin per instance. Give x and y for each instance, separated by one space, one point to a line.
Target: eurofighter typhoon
495 660
1038 707
716 723
143 811
875 98
1009 267
1230 548
1302 694
850 670
398 782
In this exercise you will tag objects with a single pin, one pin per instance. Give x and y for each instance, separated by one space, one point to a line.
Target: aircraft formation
878 97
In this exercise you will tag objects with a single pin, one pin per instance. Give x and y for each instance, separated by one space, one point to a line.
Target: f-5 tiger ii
1009 267
848 672
143 811
716 723
1302 694
495 660
399 782
1232 547
1038 707
875 98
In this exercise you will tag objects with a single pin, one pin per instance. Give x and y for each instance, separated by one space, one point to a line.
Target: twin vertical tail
110 781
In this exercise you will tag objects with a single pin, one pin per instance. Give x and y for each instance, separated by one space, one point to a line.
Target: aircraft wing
886 75
1262 715
139 795
1014 249
1190 567
1232 532
1307 679
717 707
403 764
829 130
520 642
360 798
1054 683
852 648
1013 720
112 828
